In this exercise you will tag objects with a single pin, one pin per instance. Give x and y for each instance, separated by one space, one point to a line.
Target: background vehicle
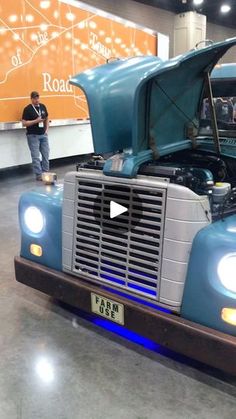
163 262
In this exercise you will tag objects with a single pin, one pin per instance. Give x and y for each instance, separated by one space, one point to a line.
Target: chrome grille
125 251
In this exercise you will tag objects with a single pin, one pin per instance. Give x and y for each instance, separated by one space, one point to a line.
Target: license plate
107 308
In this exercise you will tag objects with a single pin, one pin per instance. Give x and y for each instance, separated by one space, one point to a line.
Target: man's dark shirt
29 114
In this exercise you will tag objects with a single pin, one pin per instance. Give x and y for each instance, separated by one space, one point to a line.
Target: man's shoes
39 177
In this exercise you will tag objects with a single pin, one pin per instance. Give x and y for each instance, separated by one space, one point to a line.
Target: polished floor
57 364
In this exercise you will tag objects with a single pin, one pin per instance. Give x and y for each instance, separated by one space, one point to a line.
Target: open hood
146 104
110 91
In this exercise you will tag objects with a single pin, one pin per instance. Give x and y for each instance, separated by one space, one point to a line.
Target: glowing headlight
227 271
34 219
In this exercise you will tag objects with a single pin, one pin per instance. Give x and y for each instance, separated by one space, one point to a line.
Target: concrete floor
56 364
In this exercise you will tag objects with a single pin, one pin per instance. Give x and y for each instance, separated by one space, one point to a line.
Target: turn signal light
36 250
229 315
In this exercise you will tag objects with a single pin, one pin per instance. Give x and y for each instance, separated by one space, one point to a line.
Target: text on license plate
107 308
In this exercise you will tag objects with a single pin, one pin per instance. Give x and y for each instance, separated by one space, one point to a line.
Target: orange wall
43 43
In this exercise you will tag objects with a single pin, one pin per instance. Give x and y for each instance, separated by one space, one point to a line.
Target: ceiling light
225 8
197 2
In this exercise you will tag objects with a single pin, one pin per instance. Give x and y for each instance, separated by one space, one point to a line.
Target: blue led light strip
127 334
137 299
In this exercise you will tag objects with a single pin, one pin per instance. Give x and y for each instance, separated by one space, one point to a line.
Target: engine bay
202 172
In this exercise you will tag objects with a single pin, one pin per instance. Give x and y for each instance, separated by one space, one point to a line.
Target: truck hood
143 103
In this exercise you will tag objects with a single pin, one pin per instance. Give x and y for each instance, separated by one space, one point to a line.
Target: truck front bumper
190 339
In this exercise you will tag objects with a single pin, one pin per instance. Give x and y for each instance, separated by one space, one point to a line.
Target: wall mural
44 43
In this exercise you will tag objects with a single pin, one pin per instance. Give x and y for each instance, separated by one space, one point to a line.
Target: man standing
35 119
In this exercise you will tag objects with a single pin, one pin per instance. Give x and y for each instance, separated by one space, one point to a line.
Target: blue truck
144 233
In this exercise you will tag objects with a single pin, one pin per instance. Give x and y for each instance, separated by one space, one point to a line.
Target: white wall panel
65 141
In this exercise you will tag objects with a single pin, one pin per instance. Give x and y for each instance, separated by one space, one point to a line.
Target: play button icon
116 209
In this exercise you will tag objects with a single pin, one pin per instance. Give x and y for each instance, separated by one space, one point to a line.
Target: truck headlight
34 220
227 271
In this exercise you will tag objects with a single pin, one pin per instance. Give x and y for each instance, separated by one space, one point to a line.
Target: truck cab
151 222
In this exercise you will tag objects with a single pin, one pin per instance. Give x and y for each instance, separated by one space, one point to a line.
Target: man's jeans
39 144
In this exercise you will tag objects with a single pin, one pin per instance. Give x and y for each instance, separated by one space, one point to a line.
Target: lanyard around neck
37 112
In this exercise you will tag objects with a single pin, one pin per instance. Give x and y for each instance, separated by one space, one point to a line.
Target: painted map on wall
44 43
